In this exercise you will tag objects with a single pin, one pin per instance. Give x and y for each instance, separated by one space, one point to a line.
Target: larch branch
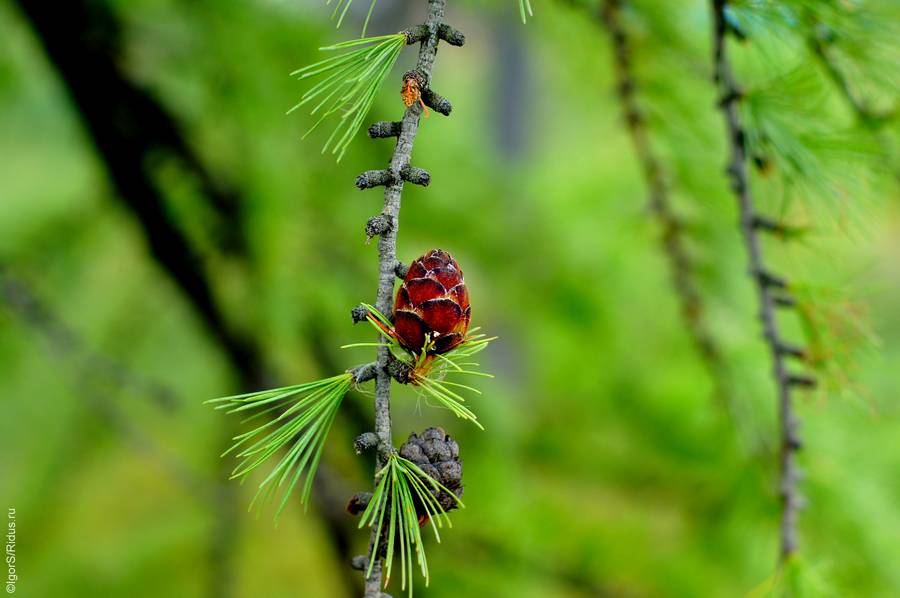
386 226
681 265
770 288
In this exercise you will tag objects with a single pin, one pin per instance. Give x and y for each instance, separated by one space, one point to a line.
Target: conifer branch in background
23 301
819 44
820 40
681 265
96 372
773 291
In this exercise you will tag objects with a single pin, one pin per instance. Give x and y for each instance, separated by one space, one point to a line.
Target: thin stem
681 265
767 285
387 258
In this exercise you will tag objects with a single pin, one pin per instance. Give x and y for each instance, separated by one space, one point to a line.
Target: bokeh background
609 466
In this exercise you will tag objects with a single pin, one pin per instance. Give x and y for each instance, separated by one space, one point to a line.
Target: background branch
768 286
672 240
820 44
97 372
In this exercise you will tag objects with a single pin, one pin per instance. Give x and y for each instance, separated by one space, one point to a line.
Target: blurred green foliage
606 467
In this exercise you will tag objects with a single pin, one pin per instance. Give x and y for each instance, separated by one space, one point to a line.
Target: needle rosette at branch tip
416 489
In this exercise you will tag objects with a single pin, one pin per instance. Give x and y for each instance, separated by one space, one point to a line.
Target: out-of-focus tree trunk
132 132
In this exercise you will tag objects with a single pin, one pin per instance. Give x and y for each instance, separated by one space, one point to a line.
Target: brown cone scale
432 304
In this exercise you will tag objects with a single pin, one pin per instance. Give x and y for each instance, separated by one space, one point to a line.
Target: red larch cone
432 307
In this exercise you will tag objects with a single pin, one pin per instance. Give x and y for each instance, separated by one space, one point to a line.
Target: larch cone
432 307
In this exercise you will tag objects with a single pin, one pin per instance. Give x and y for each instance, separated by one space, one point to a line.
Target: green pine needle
814 162
306 412
525 10
346 6
351 82
838 336
435 385
392 513
431 370
375 317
